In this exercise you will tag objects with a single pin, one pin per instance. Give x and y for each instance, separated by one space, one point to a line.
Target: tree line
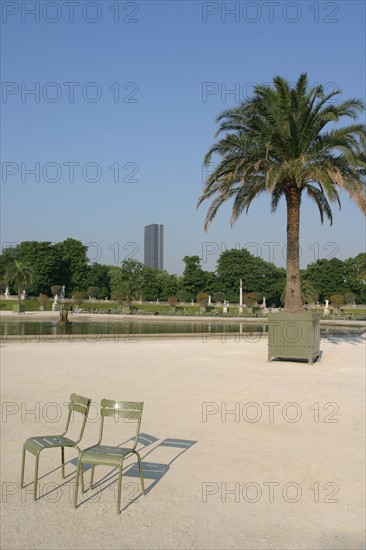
66 263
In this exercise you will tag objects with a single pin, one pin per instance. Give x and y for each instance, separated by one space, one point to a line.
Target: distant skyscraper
154 246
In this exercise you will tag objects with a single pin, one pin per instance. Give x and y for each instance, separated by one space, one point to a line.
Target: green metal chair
111 456
37 444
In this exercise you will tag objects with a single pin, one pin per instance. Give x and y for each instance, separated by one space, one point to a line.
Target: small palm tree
309 293
123 294
19 274
276 142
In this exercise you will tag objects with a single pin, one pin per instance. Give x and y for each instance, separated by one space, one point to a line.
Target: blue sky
124 111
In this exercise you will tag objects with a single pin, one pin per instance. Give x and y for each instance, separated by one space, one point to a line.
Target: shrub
350 297
43 299
56 289
183 295
218 296
93 291
202 298
119 297
250 299
172 301
78 297
259 297
337 300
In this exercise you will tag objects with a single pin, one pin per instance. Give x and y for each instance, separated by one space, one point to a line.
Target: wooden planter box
19 308
294 336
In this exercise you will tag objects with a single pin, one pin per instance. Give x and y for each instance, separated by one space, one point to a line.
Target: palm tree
276 142
19 274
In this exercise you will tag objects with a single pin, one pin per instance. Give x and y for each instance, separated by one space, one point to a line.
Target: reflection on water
126 328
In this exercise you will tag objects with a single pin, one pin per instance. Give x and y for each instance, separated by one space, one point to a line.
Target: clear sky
125 96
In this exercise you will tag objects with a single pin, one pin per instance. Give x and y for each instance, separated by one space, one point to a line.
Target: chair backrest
81 405
130 411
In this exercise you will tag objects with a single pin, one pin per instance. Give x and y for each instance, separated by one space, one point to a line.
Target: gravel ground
237 452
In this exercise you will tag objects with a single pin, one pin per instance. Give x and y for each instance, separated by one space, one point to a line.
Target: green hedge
30 305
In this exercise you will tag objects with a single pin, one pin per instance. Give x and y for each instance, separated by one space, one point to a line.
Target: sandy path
294 484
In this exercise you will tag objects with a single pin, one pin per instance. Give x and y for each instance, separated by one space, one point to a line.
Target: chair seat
103 454
36 444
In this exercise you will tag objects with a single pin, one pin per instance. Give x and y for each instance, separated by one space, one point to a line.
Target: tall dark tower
154 246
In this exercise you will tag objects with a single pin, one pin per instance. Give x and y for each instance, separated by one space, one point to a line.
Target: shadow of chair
153 471
157 470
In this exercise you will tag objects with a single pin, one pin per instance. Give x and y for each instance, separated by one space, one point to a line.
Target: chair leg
22 469
63 462
82 479
92 476
140 469
36 477
119 488
78 471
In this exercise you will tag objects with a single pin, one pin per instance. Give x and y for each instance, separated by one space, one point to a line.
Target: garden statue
240 298
63 314
55 306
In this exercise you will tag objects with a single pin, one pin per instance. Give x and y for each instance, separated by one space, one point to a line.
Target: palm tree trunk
293 300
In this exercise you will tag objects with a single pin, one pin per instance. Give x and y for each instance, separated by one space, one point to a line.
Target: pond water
129 328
